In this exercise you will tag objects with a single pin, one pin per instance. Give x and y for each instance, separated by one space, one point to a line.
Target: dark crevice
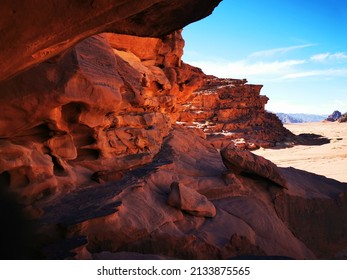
17 234
39 133
58 169
87 154
5 180
72 111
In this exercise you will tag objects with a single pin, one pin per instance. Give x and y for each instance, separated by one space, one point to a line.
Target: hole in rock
82 135
72 111
156 86
87 154
16 178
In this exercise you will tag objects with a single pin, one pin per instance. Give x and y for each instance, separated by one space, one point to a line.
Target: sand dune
329 159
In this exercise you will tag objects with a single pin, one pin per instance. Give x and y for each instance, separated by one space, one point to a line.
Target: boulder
243 161
190 201
334 116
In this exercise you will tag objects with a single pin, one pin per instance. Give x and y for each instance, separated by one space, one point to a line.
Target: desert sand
329 159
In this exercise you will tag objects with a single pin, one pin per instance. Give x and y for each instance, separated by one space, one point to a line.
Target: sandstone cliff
230 110
94 165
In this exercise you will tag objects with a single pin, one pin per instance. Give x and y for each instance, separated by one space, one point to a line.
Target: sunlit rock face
94 161
96 110
232 111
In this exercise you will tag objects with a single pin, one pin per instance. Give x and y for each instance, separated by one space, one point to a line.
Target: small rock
190 201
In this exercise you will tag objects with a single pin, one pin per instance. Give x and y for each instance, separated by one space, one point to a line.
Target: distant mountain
287 118
300 118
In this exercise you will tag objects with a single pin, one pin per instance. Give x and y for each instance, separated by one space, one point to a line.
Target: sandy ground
329 159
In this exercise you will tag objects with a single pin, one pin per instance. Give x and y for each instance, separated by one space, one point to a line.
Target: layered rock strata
93 164
95 111
254 216
232 111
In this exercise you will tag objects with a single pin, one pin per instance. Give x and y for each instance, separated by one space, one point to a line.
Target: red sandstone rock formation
240 161
190 201
90 147
32 34
254 216
94 112
230 110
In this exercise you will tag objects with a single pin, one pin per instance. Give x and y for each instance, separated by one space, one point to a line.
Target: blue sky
296 48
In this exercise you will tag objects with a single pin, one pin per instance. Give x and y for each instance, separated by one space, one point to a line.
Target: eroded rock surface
32 34
91 152
253 217
94 112
142 221
230 110
242 161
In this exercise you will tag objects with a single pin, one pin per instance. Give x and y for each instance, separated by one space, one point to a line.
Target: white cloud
339 55
334 72
243 68
260 67
328 56
320 57
277 51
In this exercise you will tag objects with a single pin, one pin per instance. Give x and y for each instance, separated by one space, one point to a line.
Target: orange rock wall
230 110
91 149
33 33
101 109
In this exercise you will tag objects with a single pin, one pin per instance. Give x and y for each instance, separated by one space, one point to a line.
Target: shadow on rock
311 139
17 233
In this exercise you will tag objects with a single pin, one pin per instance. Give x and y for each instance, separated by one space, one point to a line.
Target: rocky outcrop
240 161
334 116
314 209
254 216
230 110
96 111
93 163
32 34
337 116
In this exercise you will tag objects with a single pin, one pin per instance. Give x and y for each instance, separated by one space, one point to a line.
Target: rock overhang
31 34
